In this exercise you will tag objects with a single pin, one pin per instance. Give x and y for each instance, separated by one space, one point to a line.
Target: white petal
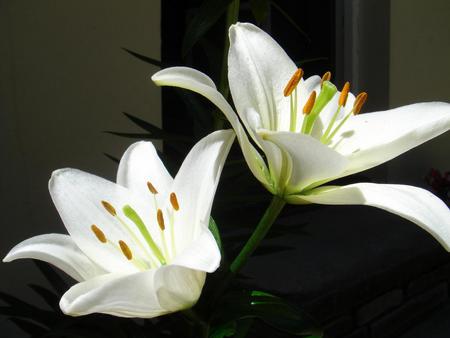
312 162
195 185
144 294
198 82
415 204
59 250
202 254
258 71
280 164
371 139
77 196
141 164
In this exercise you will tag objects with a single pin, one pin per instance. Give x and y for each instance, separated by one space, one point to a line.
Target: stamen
174 201
310 103
160 218
325 77
126 250
109 208
293 82
152 188
344 94
98 233
359 102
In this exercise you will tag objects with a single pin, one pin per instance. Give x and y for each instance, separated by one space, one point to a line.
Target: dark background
65 79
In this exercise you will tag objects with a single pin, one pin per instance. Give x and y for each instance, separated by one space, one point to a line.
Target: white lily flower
310 134
141 247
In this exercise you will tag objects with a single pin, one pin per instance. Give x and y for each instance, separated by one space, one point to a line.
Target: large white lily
141 247
311 134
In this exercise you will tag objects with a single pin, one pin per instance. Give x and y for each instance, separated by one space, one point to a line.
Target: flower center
316 104
154 255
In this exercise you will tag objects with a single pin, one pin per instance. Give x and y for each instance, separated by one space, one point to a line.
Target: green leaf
271 309
207 15
31 328
223 330
112 158
154 132
48 296
290 20
146 59
260 10
55 280
216 233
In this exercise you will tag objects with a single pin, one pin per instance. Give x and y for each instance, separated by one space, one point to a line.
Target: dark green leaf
31 328
132 135
289 19
206 16
154 131
48 296
112 158
146 59
55 280
270 249
260 10
223 330
271 309
216 233
143 124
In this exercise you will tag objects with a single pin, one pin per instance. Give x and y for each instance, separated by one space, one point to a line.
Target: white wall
420 71
63 80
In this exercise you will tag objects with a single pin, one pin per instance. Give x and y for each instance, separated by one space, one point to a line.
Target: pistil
325 96
132 215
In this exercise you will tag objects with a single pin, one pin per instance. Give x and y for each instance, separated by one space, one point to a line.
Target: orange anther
359 102
293 82
310 103
344 94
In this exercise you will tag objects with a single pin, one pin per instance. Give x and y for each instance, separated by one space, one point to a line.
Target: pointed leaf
260 10
146 59
216 233
112 158
31 328
271 309
55 280
48 296
207 15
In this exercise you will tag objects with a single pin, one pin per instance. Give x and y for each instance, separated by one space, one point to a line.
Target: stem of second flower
264 225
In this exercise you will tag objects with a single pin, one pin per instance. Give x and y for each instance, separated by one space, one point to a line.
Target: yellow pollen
310 103
325 77
160 218
98 233
174 201
359 102
344 94
125 250
109 208
151 188
293 82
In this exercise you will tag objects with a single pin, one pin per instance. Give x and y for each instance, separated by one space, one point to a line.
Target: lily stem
264 225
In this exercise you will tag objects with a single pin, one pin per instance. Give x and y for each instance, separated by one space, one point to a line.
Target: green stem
269 217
